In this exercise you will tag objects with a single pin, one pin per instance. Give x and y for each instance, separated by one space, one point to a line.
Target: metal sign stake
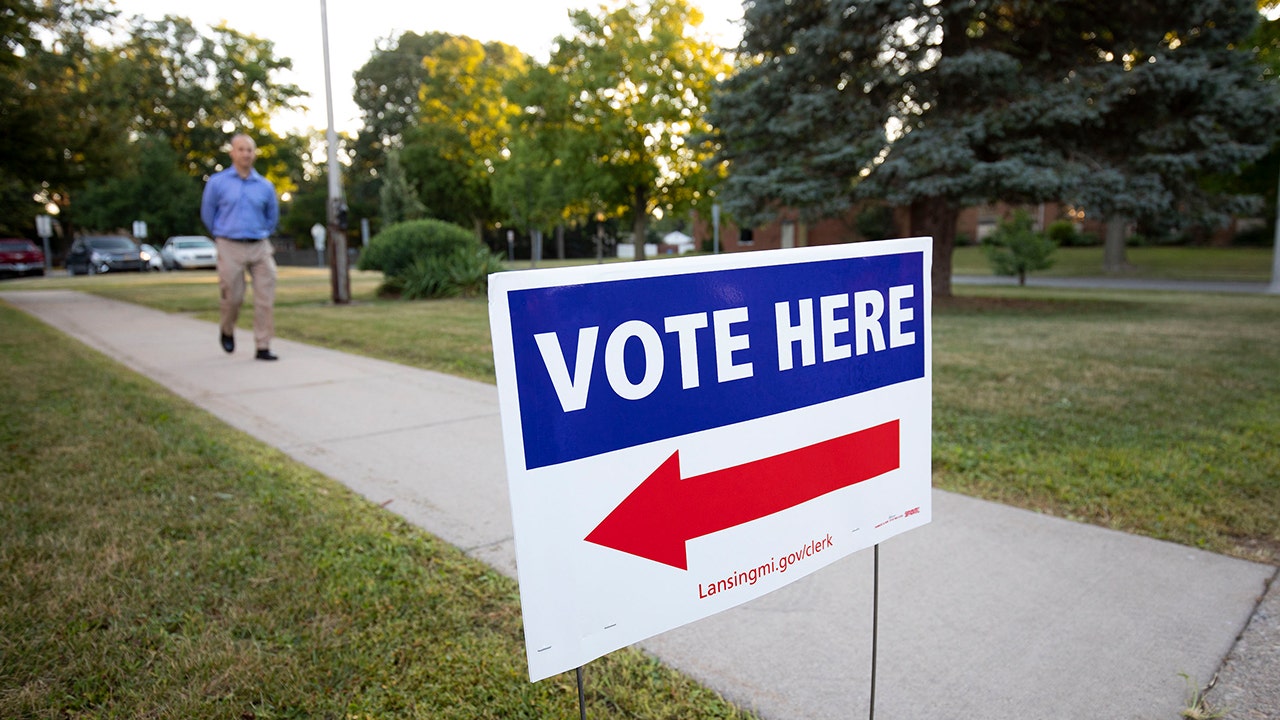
875 626
582 698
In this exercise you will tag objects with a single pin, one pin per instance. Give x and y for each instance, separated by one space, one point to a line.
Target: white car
151 256
189 251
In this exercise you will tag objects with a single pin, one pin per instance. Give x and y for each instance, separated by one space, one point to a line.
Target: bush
1261 236
463 272
875 223
1063 233
394 250
1015 248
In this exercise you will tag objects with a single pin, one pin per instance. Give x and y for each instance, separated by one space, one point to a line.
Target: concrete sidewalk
990 611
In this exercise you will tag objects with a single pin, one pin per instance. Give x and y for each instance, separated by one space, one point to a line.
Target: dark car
95 254
20 257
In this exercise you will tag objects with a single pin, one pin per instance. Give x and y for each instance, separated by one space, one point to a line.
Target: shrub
1015 248
1063 233
1261 236
463 272
875 223
394 250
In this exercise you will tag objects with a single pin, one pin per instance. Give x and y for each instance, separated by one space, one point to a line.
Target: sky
355 26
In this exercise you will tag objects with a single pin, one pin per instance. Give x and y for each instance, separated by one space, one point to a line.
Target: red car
20 257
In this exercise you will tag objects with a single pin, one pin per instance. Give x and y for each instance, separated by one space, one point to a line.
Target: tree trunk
936 217
560 241
640 220
1114 258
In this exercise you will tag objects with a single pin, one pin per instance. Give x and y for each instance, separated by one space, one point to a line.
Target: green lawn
147 544
156 563
1154 263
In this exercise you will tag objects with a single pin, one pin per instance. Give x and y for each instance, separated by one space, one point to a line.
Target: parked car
152 256
95 254
20 257
189 251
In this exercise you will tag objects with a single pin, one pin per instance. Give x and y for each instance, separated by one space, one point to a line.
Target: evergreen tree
937 104
1017 248
398 199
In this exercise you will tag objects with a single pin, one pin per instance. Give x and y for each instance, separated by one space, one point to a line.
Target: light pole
1274 288
715 231
339 274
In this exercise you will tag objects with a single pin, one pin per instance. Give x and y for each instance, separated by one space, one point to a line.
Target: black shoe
229 343
265 355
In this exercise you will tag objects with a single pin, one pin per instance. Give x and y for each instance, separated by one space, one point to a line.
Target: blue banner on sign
608 365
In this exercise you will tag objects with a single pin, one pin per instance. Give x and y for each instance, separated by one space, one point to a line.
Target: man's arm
208 203
273 210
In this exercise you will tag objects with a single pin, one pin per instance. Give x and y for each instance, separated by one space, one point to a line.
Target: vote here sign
685 435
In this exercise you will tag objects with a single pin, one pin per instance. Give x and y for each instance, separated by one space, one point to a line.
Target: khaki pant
234 259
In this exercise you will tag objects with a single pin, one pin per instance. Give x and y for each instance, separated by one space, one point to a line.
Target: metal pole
875 627
715 232
1274 288
338 272
582 697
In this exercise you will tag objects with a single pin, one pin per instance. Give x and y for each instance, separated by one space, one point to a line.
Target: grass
156 563
1164 263
1148 413
1151 413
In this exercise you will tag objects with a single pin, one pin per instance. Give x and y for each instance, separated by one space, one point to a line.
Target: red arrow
664 512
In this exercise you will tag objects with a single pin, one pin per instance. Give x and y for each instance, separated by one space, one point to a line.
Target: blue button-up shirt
236 207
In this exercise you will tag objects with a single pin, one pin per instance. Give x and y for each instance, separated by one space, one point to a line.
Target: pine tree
936 105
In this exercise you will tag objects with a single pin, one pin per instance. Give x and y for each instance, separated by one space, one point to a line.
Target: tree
388 93
64 111
633 87
19 124
398 199
462 129
151 186
1179 101
72 120
199 87
531 183
1017 248
938 104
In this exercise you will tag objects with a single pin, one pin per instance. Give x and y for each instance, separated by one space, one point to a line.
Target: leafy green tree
531 183
935 105
388 93
63 111
633 86
77 134
152 186
463 127
18 123
199 86
1017 248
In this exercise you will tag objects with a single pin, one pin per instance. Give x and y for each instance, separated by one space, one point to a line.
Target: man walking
240 209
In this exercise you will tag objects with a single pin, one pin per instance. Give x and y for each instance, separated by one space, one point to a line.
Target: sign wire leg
875 626
582 697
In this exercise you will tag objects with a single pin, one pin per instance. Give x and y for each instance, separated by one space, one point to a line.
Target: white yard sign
685 435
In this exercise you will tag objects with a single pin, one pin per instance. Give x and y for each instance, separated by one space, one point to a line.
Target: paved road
990 611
